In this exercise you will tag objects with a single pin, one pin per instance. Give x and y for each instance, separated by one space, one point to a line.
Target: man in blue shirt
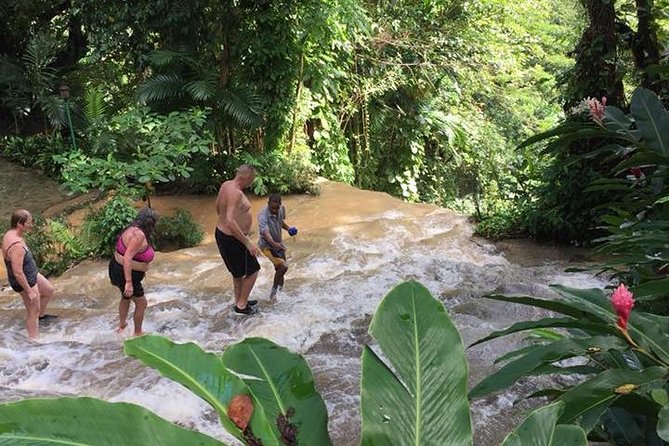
271 221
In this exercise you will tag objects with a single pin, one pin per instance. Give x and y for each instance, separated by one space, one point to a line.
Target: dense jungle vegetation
541 118
427 100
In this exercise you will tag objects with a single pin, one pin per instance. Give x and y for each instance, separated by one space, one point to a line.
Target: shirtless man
237 250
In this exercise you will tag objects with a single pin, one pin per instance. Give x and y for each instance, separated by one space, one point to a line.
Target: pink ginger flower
623 301
597 109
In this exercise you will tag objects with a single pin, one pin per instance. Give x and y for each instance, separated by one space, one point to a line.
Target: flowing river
352 248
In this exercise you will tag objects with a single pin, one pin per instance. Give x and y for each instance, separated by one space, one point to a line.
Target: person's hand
128 291
33 293
278 246
253 249
292 231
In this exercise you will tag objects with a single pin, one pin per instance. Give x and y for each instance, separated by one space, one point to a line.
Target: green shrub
283 173
179 231
499 225
102 227
35 151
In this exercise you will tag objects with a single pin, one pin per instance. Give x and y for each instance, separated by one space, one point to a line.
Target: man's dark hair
275 198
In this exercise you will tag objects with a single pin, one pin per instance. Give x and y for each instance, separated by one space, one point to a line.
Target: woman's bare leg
46 291
32 314
123 308
140 306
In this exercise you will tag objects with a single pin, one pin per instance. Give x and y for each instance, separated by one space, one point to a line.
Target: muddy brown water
353 246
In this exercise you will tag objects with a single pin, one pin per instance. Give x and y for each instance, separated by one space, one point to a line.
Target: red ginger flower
623 301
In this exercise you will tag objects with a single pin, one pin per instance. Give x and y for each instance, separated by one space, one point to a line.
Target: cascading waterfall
353 247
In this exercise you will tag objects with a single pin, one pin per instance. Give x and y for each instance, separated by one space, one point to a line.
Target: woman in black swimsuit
22 272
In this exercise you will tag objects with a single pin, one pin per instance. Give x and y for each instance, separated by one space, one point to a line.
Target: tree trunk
596 71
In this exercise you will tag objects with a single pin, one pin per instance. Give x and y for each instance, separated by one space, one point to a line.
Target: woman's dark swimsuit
117 276
29 269
239 261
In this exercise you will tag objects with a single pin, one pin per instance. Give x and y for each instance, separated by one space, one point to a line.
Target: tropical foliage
413 392
617 359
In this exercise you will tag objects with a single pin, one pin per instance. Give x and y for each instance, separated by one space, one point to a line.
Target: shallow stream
353 246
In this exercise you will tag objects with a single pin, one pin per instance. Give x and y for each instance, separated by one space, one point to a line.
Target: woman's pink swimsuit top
145 256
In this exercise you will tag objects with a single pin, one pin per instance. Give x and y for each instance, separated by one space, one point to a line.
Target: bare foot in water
139 334
120 328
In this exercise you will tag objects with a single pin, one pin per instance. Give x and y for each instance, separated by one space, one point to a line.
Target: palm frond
161 86
243 106
40 54
202 89
52 106
163 57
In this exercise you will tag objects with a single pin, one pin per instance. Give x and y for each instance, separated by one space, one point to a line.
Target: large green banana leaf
282 382
540 428
90 422
415 391
546 354
204 374
651 119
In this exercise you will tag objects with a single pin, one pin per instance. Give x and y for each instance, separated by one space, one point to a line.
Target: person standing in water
129 265
24 278
232 230
271 220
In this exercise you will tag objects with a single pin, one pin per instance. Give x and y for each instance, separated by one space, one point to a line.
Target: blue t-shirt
267 220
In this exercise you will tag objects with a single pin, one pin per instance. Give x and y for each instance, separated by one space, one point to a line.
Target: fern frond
64 237
95 107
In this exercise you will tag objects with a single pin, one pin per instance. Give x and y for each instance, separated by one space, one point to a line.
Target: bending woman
129 265
22 273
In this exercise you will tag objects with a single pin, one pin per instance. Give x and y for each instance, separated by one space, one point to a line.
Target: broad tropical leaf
651 119
651 289
546 354
282 383
663 424
643 328
414 392
540 429
90 422
558 306
632 420
201 372
602 390
549 323
617 121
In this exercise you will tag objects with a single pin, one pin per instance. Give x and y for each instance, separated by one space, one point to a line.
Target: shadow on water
352 248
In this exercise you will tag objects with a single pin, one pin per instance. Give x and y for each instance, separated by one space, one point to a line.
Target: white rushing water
352 248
